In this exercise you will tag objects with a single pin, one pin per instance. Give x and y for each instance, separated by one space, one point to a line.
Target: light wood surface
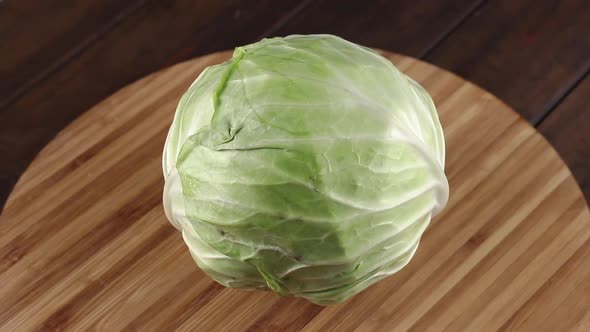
84 244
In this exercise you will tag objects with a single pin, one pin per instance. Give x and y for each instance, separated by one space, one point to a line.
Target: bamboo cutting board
84 244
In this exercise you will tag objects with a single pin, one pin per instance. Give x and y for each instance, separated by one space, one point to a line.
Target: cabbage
307 165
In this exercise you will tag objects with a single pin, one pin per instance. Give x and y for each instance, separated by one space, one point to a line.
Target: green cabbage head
305 165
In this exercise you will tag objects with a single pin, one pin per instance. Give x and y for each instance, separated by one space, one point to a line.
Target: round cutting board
85 245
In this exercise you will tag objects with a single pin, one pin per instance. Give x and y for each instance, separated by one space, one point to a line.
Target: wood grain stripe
185 315
573 276
63 314
293 315
52 265
501 257
101 187
180 296
557 245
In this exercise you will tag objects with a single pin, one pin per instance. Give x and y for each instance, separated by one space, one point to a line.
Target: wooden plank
403 26
155 36
527 52
84 243
568 129
40 36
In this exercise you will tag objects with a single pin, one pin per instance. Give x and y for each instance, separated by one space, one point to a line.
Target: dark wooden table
58 58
